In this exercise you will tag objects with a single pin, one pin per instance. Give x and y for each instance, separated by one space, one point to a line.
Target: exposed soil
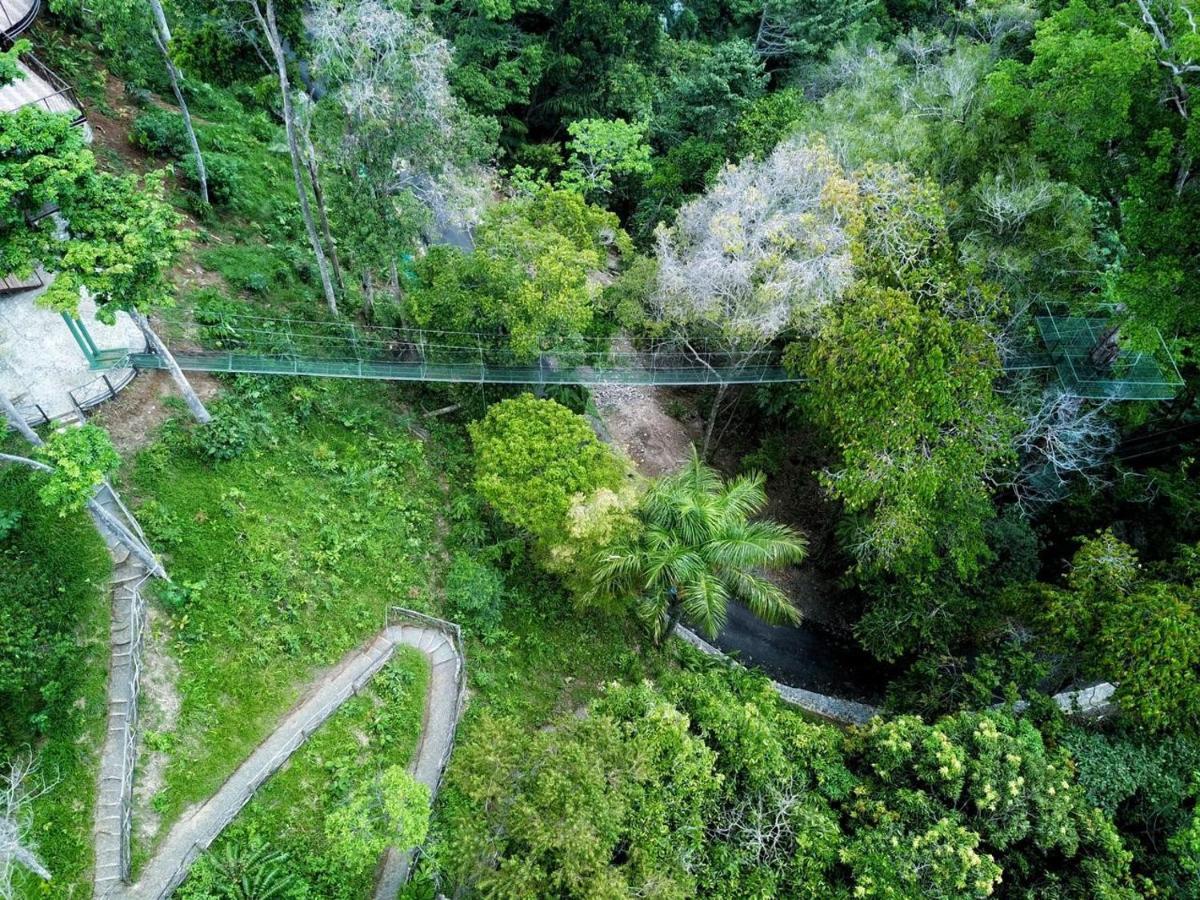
635 419
136 414
111 132
158 712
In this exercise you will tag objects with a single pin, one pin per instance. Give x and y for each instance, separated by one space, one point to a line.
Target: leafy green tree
953 808
82 459
533 458
391 810
612 804
604 153
10 69
906 393
1143 634
808 28
599 61
707 92
526 285
122 236
698 550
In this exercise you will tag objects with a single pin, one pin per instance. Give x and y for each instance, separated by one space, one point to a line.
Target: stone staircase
118 756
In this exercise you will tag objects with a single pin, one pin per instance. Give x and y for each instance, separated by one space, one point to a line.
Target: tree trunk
368 294
314 178
674 614
17 421
194 403
266 21
162 38
712 420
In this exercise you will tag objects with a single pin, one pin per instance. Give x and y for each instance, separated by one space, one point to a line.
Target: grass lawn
283 558
377 729
54 577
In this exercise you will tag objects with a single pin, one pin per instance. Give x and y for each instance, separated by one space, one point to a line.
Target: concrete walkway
40 363
199 827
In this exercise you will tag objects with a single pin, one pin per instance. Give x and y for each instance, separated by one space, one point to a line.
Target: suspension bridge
1066 347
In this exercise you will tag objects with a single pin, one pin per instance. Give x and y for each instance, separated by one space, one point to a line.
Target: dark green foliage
1148 786
475 594
53 663
258 873
224 175
160 132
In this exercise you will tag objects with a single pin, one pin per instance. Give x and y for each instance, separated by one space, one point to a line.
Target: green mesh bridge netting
1081 352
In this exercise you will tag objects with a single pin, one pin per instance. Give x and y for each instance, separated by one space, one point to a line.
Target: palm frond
705 602
761 597
743 497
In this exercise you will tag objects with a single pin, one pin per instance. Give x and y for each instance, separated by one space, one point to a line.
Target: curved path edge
1095 701
191 835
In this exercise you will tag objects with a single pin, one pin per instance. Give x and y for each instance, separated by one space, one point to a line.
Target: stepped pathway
111 829
192 834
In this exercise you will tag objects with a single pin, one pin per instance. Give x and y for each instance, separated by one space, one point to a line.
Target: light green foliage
604 153
1140 633
768 120
533 458
391 809
950 809
941 861
698 549
9 70
123 240
528 277
122 236
43 162
610 804
787 807
81 458
906 393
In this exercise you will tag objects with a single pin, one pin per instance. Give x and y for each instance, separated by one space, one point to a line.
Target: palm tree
697 551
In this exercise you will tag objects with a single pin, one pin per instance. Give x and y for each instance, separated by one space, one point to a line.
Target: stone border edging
1092 702
834 709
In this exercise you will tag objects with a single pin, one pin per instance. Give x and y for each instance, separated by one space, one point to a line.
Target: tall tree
162 40
114 237
766 250
699 549
264 16
398 134
906 394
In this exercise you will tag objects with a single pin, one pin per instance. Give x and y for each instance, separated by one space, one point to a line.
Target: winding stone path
200 826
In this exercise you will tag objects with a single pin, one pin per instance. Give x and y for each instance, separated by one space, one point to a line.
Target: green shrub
160 133
532 457
9 520
224 175
475 594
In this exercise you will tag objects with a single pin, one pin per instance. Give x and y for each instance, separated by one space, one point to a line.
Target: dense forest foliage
895 203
